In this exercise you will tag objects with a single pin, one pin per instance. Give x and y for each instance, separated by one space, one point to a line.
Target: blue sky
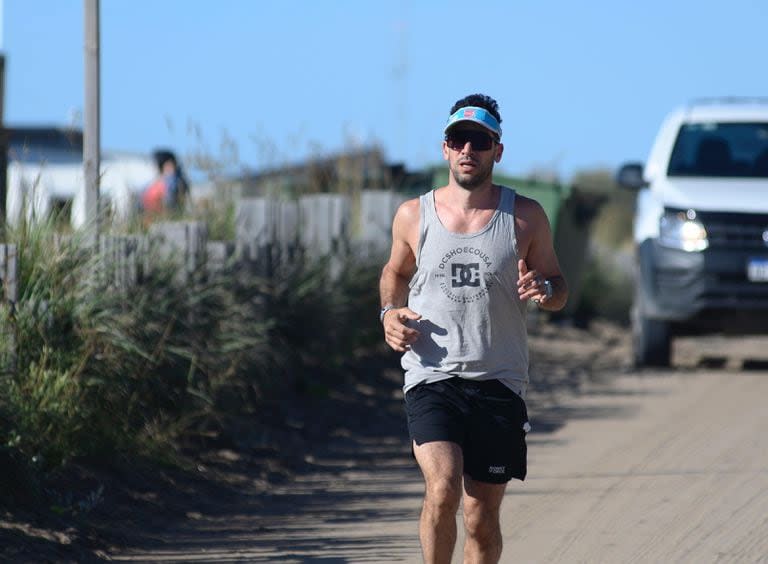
580 84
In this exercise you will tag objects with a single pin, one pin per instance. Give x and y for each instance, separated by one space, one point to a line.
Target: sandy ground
660 469
624 466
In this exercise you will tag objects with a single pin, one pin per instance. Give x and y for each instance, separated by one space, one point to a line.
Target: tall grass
92 369
321 321
43 397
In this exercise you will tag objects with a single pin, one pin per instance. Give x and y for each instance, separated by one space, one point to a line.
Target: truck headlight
682 230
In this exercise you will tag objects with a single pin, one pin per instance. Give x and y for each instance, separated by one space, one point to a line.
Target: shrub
90 368
606 288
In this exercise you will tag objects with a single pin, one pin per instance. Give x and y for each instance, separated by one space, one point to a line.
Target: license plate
757 270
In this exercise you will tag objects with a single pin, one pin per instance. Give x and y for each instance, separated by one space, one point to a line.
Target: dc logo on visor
465 275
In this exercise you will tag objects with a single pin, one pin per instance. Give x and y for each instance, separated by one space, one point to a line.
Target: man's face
471 151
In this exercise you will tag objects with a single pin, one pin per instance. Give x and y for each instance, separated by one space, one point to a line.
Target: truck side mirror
630 176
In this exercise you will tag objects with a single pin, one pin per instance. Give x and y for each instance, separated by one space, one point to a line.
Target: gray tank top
465 288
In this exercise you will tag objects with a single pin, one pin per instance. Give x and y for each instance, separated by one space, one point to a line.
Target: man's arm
396 275
540 263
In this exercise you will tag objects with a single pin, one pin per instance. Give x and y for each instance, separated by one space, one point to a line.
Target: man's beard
472 180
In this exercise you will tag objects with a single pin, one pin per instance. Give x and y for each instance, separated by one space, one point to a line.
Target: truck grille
736 231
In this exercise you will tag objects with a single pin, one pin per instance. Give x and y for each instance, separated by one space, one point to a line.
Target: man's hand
396 333
530 284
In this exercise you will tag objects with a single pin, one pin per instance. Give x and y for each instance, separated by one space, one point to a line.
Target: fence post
325 220
9 273
187 239
218 257
120 259
377 209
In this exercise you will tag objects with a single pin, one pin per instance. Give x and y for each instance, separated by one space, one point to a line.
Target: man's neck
485 196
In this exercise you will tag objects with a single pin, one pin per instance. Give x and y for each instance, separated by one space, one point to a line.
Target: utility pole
3 135
3 141
91 138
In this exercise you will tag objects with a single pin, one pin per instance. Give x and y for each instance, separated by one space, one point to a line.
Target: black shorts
485 418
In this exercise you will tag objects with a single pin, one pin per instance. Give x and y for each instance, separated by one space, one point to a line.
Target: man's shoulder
524 202
409 208
527 208
407 215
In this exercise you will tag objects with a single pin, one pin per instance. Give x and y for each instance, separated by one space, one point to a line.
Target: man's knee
481 522
443 494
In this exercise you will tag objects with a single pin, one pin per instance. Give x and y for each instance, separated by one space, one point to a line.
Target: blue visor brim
476 115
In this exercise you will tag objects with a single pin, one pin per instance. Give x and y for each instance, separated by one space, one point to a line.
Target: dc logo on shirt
465 275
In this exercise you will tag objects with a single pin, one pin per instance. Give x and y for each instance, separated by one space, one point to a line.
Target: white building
45 174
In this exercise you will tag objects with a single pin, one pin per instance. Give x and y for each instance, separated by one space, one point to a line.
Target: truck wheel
651 340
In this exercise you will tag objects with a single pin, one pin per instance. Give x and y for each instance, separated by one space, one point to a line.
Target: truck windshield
721 149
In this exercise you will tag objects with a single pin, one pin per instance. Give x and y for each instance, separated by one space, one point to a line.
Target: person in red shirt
169 191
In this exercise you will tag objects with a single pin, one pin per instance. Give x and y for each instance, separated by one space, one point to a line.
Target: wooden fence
315 226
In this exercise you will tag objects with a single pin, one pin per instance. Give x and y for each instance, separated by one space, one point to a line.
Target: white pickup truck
701 226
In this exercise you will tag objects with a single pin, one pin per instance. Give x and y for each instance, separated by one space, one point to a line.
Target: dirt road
662 468
668 466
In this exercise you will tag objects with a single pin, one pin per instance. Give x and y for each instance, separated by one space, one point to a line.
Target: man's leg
442 466
482 502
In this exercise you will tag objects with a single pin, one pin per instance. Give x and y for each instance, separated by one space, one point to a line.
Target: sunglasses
479 140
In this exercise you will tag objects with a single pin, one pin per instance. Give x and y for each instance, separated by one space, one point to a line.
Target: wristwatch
548 291
384 311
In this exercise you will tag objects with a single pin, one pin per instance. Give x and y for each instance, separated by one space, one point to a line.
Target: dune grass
91 369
